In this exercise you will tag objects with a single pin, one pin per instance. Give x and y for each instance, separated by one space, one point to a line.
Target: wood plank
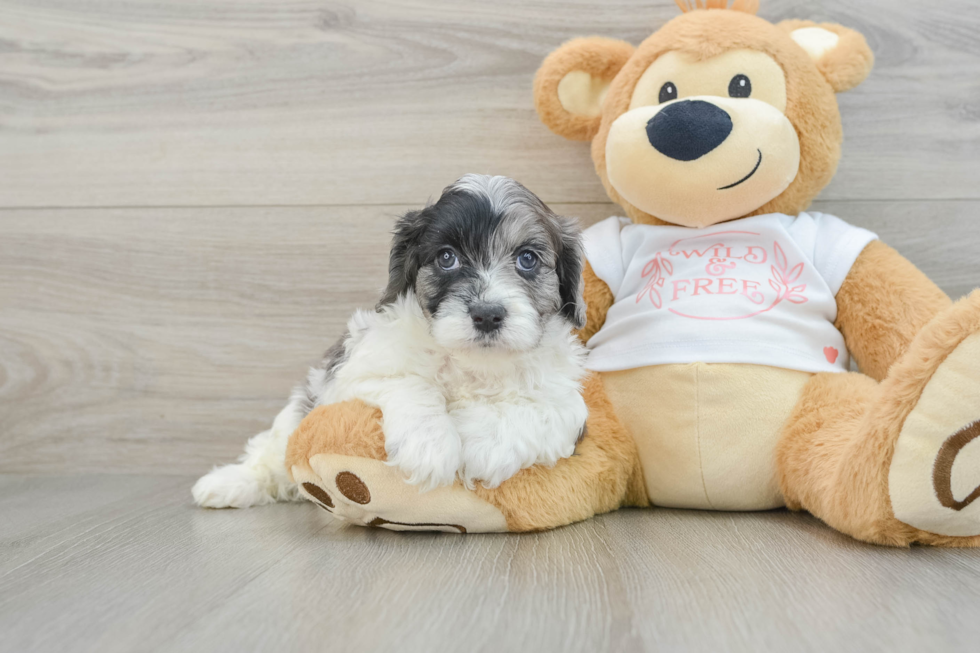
205 102
37 514
157 340
150 572
129 574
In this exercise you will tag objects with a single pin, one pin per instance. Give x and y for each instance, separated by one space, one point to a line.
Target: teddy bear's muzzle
702 160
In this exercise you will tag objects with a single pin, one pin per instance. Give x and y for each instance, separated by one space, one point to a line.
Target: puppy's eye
527 261
740 86
668 92
447 260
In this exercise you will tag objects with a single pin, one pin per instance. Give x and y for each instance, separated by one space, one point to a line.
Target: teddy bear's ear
572 82
841 54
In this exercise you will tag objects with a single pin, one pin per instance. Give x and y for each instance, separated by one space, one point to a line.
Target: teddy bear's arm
884 302
598 298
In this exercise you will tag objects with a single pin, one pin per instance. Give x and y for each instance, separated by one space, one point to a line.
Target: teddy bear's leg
895 462
337 455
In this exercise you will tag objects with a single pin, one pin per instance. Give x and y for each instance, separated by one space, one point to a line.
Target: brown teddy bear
721 316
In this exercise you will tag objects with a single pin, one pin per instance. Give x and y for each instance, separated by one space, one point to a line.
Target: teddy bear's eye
740 86
668 92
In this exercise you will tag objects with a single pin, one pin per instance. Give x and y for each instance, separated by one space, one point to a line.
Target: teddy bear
721 315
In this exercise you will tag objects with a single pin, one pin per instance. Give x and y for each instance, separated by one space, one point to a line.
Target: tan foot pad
934 480
368 492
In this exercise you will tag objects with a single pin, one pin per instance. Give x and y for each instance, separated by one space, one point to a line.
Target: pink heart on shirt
831 354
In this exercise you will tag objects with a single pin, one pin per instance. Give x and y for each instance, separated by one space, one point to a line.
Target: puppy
470 353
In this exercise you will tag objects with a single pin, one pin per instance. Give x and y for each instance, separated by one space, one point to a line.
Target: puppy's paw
489 467
492 458
429 455
231 486
425 465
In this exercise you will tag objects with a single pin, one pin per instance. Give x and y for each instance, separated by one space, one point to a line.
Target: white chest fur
483 414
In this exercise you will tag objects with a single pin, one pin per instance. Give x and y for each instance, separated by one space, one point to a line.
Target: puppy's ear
569 269
403 263
841 54
572 82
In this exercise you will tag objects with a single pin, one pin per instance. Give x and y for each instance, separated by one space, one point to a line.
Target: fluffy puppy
470 353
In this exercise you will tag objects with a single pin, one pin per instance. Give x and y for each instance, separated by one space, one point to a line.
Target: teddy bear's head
717 115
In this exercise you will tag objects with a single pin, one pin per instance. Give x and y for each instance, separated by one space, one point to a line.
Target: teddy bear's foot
336 457
898 462
934 476
370 493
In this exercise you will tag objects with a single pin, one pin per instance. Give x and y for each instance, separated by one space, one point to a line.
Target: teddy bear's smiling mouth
757 164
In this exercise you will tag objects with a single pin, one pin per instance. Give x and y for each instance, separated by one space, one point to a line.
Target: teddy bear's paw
368 492
934 478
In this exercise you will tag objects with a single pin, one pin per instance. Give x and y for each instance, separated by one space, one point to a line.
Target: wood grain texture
252 102
113 563
227 173
158 340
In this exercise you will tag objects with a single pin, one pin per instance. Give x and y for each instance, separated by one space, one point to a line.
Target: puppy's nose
688 129
487 317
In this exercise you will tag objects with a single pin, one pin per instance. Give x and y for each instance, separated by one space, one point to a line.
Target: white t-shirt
759 290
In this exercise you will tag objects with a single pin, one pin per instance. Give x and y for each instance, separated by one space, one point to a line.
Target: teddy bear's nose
688 129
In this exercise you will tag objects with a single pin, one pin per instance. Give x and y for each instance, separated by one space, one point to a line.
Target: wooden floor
194 194
116 563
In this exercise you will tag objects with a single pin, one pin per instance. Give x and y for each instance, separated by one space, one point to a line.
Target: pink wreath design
783 279
658 269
